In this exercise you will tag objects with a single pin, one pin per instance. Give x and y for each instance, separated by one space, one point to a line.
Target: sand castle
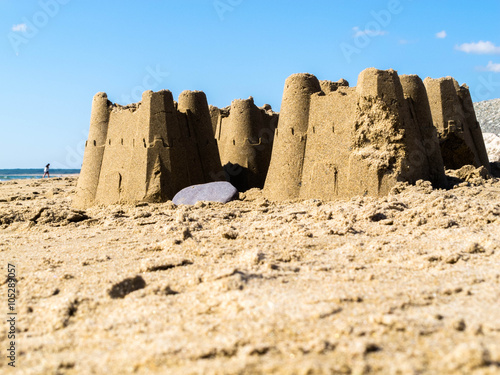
245 134
331 140
454 117
147 151
338 141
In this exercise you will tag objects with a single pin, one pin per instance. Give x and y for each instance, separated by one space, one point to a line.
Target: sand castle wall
349 141
244 134
460 137
147 151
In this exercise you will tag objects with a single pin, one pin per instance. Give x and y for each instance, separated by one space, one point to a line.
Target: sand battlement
129 107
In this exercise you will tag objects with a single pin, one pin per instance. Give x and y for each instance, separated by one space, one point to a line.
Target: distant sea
16 174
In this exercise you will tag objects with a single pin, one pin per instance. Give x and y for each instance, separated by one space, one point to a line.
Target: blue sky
56 54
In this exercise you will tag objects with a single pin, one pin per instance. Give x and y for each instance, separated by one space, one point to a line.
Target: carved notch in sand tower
245 134
147 151
351 141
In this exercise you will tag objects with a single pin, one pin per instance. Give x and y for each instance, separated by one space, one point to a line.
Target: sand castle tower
146 151
426 143
94 150
195 106
459 133
353 141
285 171
245 135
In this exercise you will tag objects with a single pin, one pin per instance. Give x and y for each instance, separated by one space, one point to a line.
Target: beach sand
406 284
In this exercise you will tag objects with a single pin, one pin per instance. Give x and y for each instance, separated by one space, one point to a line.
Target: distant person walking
46 171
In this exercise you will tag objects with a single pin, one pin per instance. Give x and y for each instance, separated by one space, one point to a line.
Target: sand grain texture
405 284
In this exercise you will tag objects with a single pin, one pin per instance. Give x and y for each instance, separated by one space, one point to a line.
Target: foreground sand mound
403 284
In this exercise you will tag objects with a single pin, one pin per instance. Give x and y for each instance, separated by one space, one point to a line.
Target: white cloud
491 67
480 48
441 34
358 32
20 28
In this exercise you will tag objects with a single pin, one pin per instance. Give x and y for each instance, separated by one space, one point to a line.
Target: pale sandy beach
405 284
234 187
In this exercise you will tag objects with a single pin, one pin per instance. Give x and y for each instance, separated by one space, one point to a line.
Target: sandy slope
400 285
